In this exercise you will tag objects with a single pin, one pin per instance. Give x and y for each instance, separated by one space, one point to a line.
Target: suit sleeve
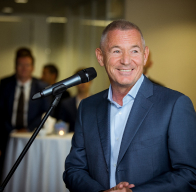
181 149
76 175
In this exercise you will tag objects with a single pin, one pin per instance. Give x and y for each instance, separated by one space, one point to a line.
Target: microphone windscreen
87 74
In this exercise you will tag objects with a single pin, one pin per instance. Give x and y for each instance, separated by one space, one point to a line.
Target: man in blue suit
136 136
10 89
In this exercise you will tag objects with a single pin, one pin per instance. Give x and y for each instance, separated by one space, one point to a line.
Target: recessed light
56 20
21 1
7 10
97 23
10 19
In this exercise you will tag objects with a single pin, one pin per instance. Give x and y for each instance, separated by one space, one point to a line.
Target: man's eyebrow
135 46
115 46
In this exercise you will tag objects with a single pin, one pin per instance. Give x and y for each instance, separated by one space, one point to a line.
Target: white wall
68 45
169 28
16 27
23 31
80 44
39 42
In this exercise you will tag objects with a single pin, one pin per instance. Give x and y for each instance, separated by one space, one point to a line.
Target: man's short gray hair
121 25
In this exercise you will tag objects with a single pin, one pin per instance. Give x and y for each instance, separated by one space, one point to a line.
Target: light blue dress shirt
118 119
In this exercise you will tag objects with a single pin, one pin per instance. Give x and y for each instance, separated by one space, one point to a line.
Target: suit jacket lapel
138 113
103 120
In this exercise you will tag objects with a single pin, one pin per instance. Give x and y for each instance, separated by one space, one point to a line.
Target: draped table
42 167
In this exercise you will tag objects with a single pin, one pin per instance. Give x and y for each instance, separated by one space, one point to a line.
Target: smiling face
123 57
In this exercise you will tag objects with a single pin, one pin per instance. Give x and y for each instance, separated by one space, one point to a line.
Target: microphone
82 76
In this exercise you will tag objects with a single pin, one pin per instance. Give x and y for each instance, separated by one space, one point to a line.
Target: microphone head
87 74
36 96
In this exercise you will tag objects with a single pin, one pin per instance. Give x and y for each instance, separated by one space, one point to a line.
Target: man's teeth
125 69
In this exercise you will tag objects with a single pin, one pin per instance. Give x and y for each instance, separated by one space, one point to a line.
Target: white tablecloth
42 167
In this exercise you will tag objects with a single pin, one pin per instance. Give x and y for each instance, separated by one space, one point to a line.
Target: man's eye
135 51
116 51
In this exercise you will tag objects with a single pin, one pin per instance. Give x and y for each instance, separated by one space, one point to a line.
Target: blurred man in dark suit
17 110
49 75
69 107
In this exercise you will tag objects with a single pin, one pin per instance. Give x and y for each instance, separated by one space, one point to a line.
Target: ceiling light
97 23
10 19
21 1
56 20
7 10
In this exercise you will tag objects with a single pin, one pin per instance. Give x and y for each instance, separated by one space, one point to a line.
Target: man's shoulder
97 97
7 82
159 93
155 82
165 90
157 88
166 95
8 79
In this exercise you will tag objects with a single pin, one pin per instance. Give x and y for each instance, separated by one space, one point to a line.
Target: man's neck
24 80
119 93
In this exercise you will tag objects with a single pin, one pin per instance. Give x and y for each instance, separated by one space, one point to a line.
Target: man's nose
126 58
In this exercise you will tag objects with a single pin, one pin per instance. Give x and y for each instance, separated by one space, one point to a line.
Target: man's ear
146 53
99 55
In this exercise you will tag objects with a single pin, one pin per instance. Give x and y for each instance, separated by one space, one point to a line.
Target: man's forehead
24 61
123 35
25 58
131 37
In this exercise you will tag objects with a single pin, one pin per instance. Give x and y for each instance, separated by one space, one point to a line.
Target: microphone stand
54 104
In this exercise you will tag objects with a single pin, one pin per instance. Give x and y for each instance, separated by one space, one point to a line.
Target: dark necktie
20 110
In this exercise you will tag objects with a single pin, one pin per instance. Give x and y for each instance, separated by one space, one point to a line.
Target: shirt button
120 113
117 139
114 165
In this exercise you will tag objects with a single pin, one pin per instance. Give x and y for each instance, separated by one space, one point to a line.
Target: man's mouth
126 70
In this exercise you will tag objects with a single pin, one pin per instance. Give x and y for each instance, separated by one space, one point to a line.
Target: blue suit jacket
157 152
36 107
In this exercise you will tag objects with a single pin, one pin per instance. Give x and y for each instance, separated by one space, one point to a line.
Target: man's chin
125 84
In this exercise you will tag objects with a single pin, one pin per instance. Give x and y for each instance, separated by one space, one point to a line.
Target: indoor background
67 33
